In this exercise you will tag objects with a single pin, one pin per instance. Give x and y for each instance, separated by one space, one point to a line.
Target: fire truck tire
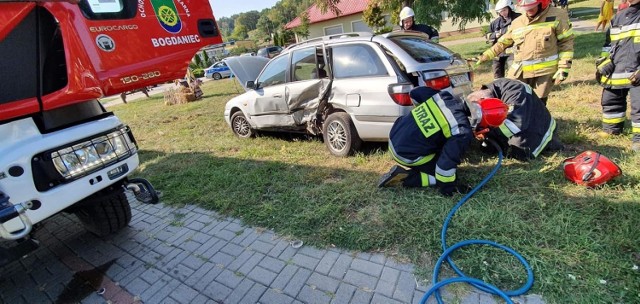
106 214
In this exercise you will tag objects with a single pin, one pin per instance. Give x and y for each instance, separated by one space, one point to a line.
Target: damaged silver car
349 88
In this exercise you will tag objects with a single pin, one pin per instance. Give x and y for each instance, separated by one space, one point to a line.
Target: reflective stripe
565 55
445 176
427 180
546 139
614 115
605 62
618 30
489 53
635 124
540 66
613 120
624 35
506 41
635 127
519 32
617 79
442 121
509 128
453 123
566 34
409 162
536 61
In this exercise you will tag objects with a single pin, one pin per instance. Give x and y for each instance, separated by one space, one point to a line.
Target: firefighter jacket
622 49
540 45
529 125
437 129
501 25
429 30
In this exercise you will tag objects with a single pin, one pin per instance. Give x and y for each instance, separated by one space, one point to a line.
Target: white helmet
405 13
504 3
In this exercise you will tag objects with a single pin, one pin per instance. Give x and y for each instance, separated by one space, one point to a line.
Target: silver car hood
246 68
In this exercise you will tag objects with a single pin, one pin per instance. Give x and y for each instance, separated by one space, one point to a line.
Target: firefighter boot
394 177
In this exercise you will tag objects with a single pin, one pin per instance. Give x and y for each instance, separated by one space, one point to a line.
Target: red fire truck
60 149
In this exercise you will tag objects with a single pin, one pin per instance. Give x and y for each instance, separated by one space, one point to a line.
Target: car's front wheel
240 125
217 76
340 135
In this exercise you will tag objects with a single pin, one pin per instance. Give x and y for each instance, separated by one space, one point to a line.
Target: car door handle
277 95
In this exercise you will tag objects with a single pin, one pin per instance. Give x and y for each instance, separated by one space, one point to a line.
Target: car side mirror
251 84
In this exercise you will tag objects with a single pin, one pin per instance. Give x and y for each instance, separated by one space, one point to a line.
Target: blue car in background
217 71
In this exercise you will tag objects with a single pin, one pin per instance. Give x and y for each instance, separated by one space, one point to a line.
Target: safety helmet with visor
405 13
526 5
487 113
502 4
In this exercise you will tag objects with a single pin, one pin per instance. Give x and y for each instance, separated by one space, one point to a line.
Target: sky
226 8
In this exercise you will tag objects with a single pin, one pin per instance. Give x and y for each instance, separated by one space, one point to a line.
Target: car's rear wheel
240 125
217 76
340 135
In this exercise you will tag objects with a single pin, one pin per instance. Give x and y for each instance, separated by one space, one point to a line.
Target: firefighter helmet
405 13
590 169
488 112
502 4
529 4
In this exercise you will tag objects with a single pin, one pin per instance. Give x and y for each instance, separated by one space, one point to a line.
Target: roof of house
346 7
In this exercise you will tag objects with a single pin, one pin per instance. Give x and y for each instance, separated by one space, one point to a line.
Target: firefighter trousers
500 66
541 85
614 108
422 175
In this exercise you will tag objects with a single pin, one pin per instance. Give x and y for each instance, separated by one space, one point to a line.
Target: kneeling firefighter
433 138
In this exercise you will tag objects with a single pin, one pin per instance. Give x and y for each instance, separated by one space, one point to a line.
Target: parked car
269 52
349 88
217 71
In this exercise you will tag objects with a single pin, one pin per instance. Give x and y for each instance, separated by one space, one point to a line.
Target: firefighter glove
561 75
605 66
635 78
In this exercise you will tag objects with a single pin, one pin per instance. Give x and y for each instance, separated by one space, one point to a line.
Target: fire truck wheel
106 214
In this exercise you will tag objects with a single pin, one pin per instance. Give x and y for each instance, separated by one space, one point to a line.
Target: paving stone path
192 255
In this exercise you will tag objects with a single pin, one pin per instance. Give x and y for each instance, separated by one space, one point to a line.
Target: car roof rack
330 37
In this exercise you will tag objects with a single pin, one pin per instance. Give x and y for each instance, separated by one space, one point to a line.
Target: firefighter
529 128
497 28
407 22
618 73
542 41
431 141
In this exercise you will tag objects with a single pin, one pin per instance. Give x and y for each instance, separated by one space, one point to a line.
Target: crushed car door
309 79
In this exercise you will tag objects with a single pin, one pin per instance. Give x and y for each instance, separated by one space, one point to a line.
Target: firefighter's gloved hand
481 134
635 78
482 58
561 75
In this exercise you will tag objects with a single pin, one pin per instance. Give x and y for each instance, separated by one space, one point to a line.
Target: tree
303 29
373 17
206 61
427 11
240 32
248 19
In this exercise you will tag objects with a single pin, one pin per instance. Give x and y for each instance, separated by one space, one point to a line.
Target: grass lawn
582 244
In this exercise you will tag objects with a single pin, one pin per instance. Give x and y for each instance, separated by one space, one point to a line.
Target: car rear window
421 50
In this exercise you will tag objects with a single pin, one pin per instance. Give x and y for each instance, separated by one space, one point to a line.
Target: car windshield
422 51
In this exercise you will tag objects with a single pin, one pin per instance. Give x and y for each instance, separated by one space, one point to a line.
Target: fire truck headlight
90 155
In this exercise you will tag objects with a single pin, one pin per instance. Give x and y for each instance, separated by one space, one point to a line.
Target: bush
198 72
485 30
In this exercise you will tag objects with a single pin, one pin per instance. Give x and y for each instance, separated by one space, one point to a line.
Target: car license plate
458 80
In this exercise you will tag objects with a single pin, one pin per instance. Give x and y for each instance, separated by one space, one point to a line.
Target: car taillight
439 83
400 93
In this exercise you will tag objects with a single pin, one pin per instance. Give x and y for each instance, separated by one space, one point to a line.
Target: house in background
350 20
